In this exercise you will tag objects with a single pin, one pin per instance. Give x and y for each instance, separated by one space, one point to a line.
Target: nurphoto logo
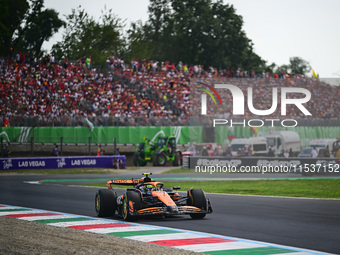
239 100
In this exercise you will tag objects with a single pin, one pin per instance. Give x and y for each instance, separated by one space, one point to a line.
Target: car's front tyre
106 203
196 197
131 202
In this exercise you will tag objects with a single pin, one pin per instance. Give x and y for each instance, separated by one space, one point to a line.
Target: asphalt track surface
304 223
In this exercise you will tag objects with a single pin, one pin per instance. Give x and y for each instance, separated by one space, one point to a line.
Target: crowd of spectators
65 93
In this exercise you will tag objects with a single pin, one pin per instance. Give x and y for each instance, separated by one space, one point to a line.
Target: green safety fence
127 135
98 134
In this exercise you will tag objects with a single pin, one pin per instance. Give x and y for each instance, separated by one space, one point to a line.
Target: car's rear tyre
196 197
134 198
159 159
177 160
106 203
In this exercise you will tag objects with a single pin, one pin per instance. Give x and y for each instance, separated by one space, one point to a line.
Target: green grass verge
177 171
316 188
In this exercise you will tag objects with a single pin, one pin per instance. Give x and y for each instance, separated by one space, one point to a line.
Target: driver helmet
149 188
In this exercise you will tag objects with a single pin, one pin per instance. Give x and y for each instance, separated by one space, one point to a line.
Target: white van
322 143
258 145
320 146
281 141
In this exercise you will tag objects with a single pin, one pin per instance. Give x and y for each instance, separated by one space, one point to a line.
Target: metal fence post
90 146
2 147
114 146
32 146
61 146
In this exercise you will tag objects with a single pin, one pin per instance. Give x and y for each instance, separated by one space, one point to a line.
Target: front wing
170 210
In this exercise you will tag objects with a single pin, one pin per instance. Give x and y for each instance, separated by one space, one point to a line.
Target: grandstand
143 93
35 96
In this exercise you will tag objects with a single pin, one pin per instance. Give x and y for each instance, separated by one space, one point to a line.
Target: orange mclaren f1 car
149 197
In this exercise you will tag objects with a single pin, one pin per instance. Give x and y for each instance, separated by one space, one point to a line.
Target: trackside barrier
186 162
262 164
62 162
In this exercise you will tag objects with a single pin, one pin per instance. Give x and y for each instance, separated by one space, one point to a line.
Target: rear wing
132 182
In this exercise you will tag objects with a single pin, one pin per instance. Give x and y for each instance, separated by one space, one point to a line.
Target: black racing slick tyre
132 202
106 203
196 197
159 159
177 160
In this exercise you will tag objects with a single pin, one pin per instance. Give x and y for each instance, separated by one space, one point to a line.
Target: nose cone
165 198
172 209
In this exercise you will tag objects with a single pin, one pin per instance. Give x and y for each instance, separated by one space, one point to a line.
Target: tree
12 13
159 26
41 29
270 68
298 65
152 40
283 69
196 32
139 46
25 25
84 36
